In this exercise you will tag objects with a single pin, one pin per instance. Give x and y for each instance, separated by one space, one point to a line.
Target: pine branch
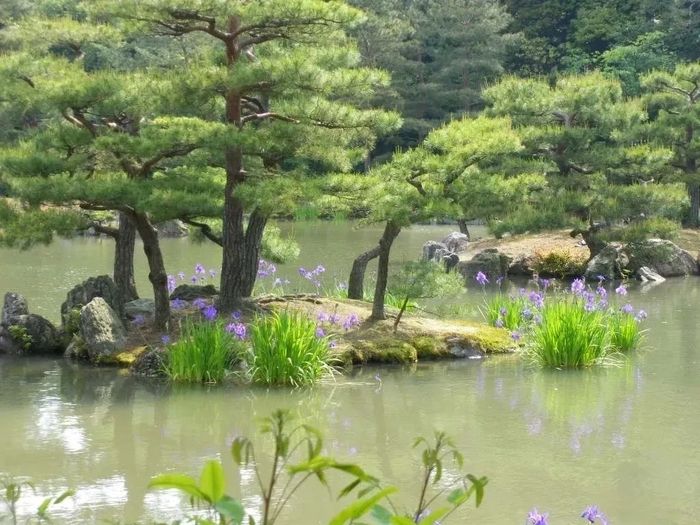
268 115
205 229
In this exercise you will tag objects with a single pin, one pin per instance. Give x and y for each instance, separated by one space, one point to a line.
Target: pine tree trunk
464 228
125 242
694 213
241 254
391 231
156 267
356 282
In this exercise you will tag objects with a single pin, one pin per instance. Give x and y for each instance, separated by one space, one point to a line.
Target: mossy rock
124 359
382 351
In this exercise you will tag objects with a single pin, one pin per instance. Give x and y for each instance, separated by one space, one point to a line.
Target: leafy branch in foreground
10 493
297 458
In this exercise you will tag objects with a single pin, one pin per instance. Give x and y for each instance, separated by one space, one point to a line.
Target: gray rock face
150 364
431 247
25 333
15 304
491 262
101 329
647 275
660 256
456 242
101 286
609 263
190 292
30 334
522 264
144 307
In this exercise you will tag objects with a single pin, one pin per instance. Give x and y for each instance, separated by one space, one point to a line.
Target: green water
624 438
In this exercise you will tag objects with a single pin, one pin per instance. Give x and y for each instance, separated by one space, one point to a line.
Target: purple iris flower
172 283
238 329
178 304
641 315
621 290
602 292
628 309
181 275
515 336
138 320
592 513
578 287
212 273
499 281
535 518
236 315
199 302
536 299
481 278
199 269
165 339
210 312
320 333
499 323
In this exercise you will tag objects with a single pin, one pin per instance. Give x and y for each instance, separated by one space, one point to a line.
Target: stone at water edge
522 264
42 335
144 307
190 292
647 275
101 329
663 256
456 242
14 304
609 263
491 262
81 294
430 249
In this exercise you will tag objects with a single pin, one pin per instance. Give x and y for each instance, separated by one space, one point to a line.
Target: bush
204 353
569 335
652 228
560 263
287 349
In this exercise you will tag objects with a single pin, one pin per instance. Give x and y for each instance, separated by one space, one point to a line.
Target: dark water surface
625 438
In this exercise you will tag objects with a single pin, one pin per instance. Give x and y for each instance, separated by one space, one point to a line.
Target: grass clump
287 349
204 353
570 336
559 263
506 312
625 333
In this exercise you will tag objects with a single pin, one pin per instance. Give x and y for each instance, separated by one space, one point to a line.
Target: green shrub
21 336
204 353
560 263
287 350
569 335
652 228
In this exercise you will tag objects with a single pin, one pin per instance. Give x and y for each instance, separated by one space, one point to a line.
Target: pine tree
283 80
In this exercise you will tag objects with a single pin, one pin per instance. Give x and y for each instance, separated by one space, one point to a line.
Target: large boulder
456 242
101 329
611 263
522 264
102 286
647 275
140 307
490 262
14 304
30 334
431 247
657 255
150 363
25 333
190 292
662 256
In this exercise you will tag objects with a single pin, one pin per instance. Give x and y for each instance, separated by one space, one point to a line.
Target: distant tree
585 139
673 101
440 54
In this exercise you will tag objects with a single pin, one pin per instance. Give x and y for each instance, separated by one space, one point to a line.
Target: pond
622 437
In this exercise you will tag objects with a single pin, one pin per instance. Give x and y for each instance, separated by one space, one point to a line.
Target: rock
76 349
451 260
102 286
101 329
190 292
610 263
140 307
647 275
173 228
14 305
491 262
456 242
150 363
522 264
429 249
662 256
30 334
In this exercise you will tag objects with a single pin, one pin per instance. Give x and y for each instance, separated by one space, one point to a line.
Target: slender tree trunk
125 242
156 267
464 228
694 213
356 282
391 231
241 245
